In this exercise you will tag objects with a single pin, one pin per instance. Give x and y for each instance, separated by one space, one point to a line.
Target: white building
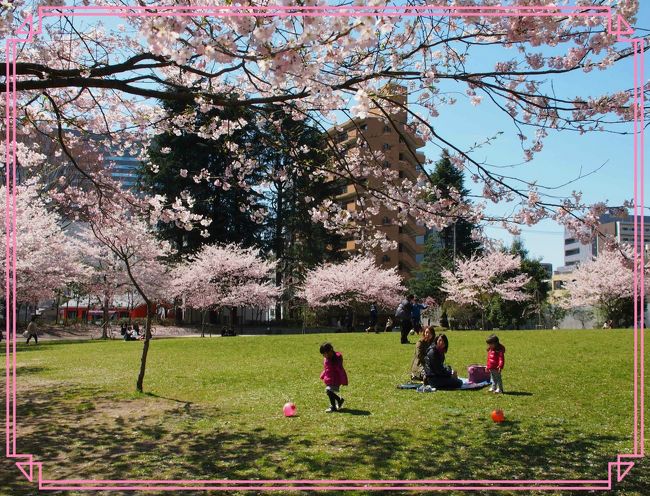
613 226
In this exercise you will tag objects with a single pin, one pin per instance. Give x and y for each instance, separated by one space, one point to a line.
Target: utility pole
454 257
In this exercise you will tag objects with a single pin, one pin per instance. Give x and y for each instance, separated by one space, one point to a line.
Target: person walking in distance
32 330
372 323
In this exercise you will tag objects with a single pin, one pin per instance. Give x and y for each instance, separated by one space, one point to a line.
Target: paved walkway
51 333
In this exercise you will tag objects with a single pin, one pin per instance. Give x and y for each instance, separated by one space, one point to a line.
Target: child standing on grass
495 362
333 375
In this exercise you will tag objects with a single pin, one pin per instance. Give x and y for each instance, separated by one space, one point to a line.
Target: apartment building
613 225
400 149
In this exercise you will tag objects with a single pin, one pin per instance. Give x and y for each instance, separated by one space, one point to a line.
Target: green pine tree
444 246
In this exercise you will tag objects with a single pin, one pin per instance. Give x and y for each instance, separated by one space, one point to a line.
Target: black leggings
443 382
32 336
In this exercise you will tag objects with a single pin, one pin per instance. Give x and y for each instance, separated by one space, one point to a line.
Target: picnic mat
473 385
466 384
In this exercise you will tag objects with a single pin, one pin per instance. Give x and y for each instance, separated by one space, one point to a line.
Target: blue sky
566 155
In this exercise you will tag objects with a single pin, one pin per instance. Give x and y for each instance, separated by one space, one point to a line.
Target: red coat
333 373
496 358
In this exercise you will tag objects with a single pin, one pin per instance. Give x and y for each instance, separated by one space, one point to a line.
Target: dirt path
50 332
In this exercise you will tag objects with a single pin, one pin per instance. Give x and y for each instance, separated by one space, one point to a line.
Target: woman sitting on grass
421 348
437 374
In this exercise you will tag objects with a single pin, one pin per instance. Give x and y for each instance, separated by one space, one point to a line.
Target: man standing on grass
403 313
372 323
416 314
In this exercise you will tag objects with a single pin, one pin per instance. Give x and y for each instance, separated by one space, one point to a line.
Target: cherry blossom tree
108 276
606 283
142 255
351 284
478 279
78 80
221 276
46 258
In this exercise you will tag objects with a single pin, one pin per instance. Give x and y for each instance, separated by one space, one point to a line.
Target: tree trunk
279 246
58 304
178 315
77 319
203 323
145 347
105 317
130 305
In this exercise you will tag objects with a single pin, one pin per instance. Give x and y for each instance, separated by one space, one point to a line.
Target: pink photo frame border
617 470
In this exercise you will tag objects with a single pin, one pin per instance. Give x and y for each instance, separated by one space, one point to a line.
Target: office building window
419 240
386 147
401 156
385 221
401 174
568 241
400 248
568 253
385 258
387 129
400 229
363 127
419 257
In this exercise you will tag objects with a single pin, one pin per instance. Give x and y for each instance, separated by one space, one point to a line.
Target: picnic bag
478 373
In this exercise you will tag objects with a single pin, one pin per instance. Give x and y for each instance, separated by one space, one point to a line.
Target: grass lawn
213 409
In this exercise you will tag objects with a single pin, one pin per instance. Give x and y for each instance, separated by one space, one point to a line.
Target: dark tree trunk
145 347
178 313
58 304
105 318
279 246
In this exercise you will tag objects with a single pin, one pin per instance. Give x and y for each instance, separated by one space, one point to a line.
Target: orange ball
497 416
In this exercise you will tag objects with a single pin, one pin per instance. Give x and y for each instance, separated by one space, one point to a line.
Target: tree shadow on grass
22 347
142 444
30 369
187 404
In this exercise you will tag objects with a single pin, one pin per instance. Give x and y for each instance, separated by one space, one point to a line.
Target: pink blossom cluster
603 281
354 282
478 279
223 276
46 257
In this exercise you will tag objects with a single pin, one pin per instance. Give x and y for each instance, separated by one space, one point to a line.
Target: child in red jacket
333 375
495 362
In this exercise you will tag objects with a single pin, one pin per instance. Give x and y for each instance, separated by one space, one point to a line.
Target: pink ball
289 409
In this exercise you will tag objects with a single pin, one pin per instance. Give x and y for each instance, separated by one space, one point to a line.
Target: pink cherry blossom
351 283
475 281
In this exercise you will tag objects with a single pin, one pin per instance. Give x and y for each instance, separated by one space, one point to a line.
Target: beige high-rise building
400 149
